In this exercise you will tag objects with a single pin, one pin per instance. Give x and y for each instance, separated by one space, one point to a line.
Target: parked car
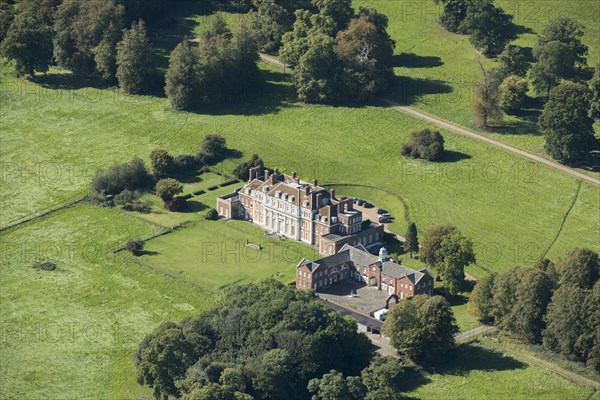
360 202
387 215
381 211
385 220
367 205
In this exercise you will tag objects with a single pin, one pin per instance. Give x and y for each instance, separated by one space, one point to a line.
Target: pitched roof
360 256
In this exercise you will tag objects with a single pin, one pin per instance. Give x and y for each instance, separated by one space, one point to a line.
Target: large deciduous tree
457 252
513 61
162 358
426 144
567 127
270 22
594 85
422 328
560 54
432 241
488 26
512 93
28 42
333 386
485 101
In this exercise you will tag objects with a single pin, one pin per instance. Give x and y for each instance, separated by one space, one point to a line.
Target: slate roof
359 255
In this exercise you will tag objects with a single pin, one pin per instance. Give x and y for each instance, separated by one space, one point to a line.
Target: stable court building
355 262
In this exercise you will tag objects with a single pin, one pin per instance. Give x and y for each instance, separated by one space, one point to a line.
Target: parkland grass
436 70
72 332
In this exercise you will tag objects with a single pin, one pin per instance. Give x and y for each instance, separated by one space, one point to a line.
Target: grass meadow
512 208
484 371
436 70
72 333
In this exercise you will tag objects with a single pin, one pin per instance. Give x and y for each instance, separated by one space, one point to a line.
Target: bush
512 93
138 206
425 144
126 197
185 164
212 215
162 163
168 188
119 177
178 204
212 150
242 171
135 246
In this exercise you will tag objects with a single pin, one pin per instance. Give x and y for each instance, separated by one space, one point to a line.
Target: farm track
465 132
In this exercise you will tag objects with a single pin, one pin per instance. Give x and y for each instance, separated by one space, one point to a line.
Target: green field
476 189
484 371
72 332
437 70
58 132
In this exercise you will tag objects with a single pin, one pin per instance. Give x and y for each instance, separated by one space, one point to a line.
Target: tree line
338 55
262 340
553 304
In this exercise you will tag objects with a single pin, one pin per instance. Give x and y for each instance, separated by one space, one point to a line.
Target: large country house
299 210
355 262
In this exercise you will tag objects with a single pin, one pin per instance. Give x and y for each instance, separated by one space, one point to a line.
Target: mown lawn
72 333
481 371
214 254
436 71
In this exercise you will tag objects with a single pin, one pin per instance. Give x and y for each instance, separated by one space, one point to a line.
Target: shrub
138 206
212 150
185 164
135 246
162 163
168 188
426 144
178 204
512 93
119 177
212 215
242 171
126 197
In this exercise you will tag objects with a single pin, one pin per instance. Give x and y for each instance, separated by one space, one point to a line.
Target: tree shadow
406 90
592 163
466 358
451 156
194 206
263 97
68 81
148 253
411 60
518 30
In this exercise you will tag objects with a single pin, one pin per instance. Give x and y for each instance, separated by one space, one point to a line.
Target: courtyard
366 301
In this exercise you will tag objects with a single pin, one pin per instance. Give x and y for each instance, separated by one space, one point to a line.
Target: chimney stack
333 193
315 182
267 174
252 174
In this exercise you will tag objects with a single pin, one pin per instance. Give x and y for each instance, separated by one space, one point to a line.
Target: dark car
381 211
367 205
385 220
360 202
